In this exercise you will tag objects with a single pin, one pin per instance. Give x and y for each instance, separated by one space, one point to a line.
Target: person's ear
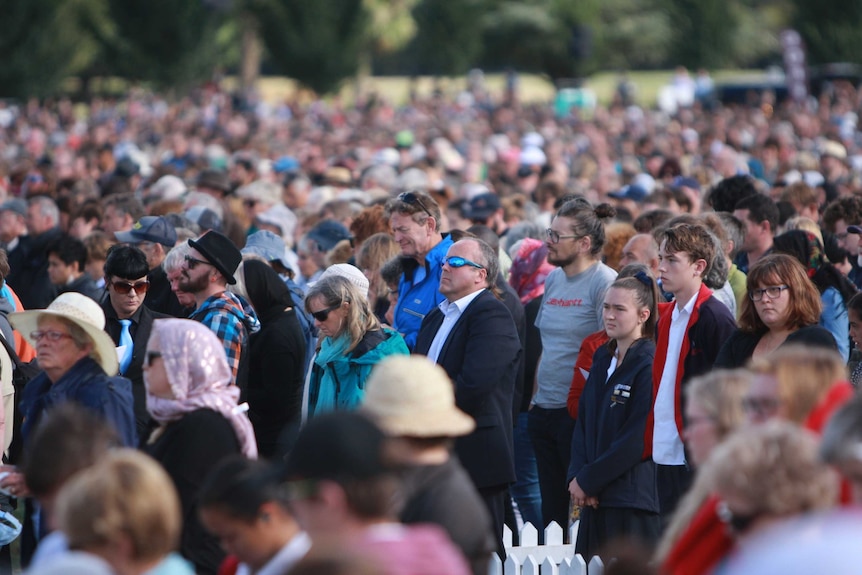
700 267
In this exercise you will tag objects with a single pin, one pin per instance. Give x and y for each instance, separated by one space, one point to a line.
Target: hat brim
214 261
28 321
452 423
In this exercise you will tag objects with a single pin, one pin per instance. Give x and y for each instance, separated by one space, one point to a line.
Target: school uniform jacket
608 441
710 325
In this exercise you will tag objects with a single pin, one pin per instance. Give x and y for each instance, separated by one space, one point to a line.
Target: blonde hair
804 224
720 394
774 468
126 493
336 290
804 375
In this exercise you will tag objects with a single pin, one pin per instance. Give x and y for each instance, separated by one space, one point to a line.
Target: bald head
641 249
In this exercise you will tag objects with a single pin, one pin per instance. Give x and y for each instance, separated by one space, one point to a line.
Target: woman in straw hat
79 363
412 399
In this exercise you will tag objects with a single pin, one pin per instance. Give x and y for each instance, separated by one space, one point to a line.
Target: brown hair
776 269
416 210
646 293
693 239
618 234
587 221
799 193
369 222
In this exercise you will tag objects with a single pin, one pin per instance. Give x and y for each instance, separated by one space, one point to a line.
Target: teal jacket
338 380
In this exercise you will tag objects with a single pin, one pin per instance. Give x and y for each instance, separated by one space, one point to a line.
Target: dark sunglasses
192 263
151 356
324 313
126 287
459 262
413 200
249 203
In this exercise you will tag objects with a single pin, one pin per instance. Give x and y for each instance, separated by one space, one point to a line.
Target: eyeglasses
554 236
459 262
774 292
324 313
192 263
760 406
125 287
249 203
413 200
151 356
53 336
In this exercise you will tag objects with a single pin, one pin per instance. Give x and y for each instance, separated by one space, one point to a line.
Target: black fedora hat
220 252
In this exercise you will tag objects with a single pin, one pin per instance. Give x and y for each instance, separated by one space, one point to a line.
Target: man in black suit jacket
473 337
126 284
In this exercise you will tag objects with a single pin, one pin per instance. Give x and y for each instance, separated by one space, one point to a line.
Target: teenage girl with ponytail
609 478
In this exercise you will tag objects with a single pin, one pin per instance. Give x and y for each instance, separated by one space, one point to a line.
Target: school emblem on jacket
621 394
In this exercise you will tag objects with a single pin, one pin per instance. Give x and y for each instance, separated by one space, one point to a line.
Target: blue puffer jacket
419 291
87 385
338 380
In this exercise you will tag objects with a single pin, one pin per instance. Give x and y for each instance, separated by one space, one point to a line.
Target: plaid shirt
232 320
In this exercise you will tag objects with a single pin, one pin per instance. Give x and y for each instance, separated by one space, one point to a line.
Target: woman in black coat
277 353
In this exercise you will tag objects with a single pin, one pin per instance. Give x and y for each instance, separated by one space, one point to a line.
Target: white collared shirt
451 313
285 559
667 447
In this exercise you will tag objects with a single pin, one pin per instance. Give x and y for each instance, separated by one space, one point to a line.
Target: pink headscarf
529 269
200 378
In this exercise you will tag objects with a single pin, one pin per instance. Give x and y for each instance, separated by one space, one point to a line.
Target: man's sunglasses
413 200
192 263
125 287
459 262
324 313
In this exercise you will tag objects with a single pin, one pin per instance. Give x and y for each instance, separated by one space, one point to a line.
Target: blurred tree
316 42
171 43
448 41
830 29
43 43
701 32
633 34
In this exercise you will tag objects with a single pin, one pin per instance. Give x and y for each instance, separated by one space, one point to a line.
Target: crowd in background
245 292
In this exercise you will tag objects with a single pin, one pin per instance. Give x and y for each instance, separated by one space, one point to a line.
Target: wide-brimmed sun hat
411 396
83 312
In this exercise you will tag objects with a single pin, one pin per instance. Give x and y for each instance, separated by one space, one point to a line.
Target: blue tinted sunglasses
459 262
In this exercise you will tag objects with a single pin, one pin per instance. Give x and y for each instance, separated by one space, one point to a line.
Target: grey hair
47 207
716 276
175 257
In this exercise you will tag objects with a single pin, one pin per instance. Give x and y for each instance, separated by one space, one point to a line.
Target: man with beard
571 310
208 268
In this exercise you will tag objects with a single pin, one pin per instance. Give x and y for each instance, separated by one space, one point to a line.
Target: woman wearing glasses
352 343
782 306
190 395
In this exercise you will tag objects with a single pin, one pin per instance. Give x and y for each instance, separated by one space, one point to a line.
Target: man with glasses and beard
208 269
414 218
128 321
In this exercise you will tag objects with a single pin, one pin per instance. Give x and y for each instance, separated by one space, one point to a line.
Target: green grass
532 88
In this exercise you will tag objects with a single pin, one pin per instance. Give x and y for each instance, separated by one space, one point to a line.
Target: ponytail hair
588 221
638 279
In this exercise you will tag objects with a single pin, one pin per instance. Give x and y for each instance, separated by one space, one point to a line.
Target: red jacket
585 361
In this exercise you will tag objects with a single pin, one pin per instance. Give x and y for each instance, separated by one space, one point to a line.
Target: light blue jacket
419 292
835 319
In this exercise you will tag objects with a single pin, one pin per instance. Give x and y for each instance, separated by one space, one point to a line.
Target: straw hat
83 312
409 395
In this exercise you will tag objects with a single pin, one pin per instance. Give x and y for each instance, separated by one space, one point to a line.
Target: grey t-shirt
571 310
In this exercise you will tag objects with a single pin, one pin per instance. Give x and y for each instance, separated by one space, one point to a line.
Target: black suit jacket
481 356
142 325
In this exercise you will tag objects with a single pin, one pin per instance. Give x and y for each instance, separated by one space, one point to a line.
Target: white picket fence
552 558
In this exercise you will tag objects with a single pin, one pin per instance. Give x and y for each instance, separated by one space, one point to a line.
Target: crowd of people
313 338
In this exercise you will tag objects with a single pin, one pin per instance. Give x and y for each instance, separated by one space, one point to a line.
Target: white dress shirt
667 447
451 313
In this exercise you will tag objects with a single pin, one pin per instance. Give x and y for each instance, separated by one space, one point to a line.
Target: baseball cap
483 206
630 192
328 233
154 229
16 205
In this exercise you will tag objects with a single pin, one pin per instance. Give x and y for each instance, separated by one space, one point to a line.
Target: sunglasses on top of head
414 200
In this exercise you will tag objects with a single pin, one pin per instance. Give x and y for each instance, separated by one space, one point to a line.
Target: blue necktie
126 340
